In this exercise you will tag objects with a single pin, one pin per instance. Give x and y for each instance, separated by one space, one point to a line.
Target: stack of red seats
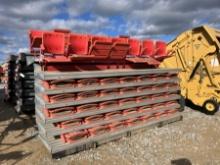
64 46
90 89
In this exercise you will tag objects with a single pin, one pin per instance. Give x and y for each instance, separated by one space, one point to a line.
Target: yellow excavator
197 53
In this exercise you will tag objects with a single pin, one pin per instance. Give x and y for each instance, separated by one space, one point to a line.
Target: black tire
182 103
210 107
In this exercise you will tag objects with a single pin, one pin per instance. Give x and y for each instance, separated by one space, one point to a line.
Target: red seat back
119 48
135 47
35 37
79 44
53 43
100 46
160 48
148 48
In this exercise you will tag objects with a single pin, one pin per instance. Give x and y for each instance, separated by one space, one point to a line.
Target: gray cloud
5 40
193 5
141 18
156 17
172 17
26 9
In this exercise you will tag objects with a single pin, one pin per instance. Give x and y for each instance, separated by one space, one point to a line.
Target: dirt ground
195 140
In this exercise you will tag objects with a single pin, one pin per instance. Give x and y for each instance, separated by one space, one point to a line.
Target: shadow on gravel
195 107
10 121
15 156
181 161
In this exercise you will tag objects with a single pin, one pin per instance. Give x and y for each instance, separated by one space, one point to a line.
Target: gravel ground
195 140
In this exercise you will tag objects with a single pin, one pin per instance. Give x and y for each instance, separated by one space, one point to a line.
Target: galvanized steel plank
58 146
57 131
106 110
98 74
39 88
42 103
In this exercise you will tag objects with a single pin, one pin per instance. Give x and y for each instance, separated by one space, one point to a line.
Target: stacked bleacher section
24 84
8 79
92 89
19 83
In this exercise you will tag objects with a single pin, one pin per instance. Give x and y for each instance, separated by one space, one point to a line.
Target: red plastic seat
86 108
98 130
70 123
79 44
59 112
74 136
161 52
116 126
108 104
100 46
35 40
53 43
119 48
56 84
148 48
135 47
61 45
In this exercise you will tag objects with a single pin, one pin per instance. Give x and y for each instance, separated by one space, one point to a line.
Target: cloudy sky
161 19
